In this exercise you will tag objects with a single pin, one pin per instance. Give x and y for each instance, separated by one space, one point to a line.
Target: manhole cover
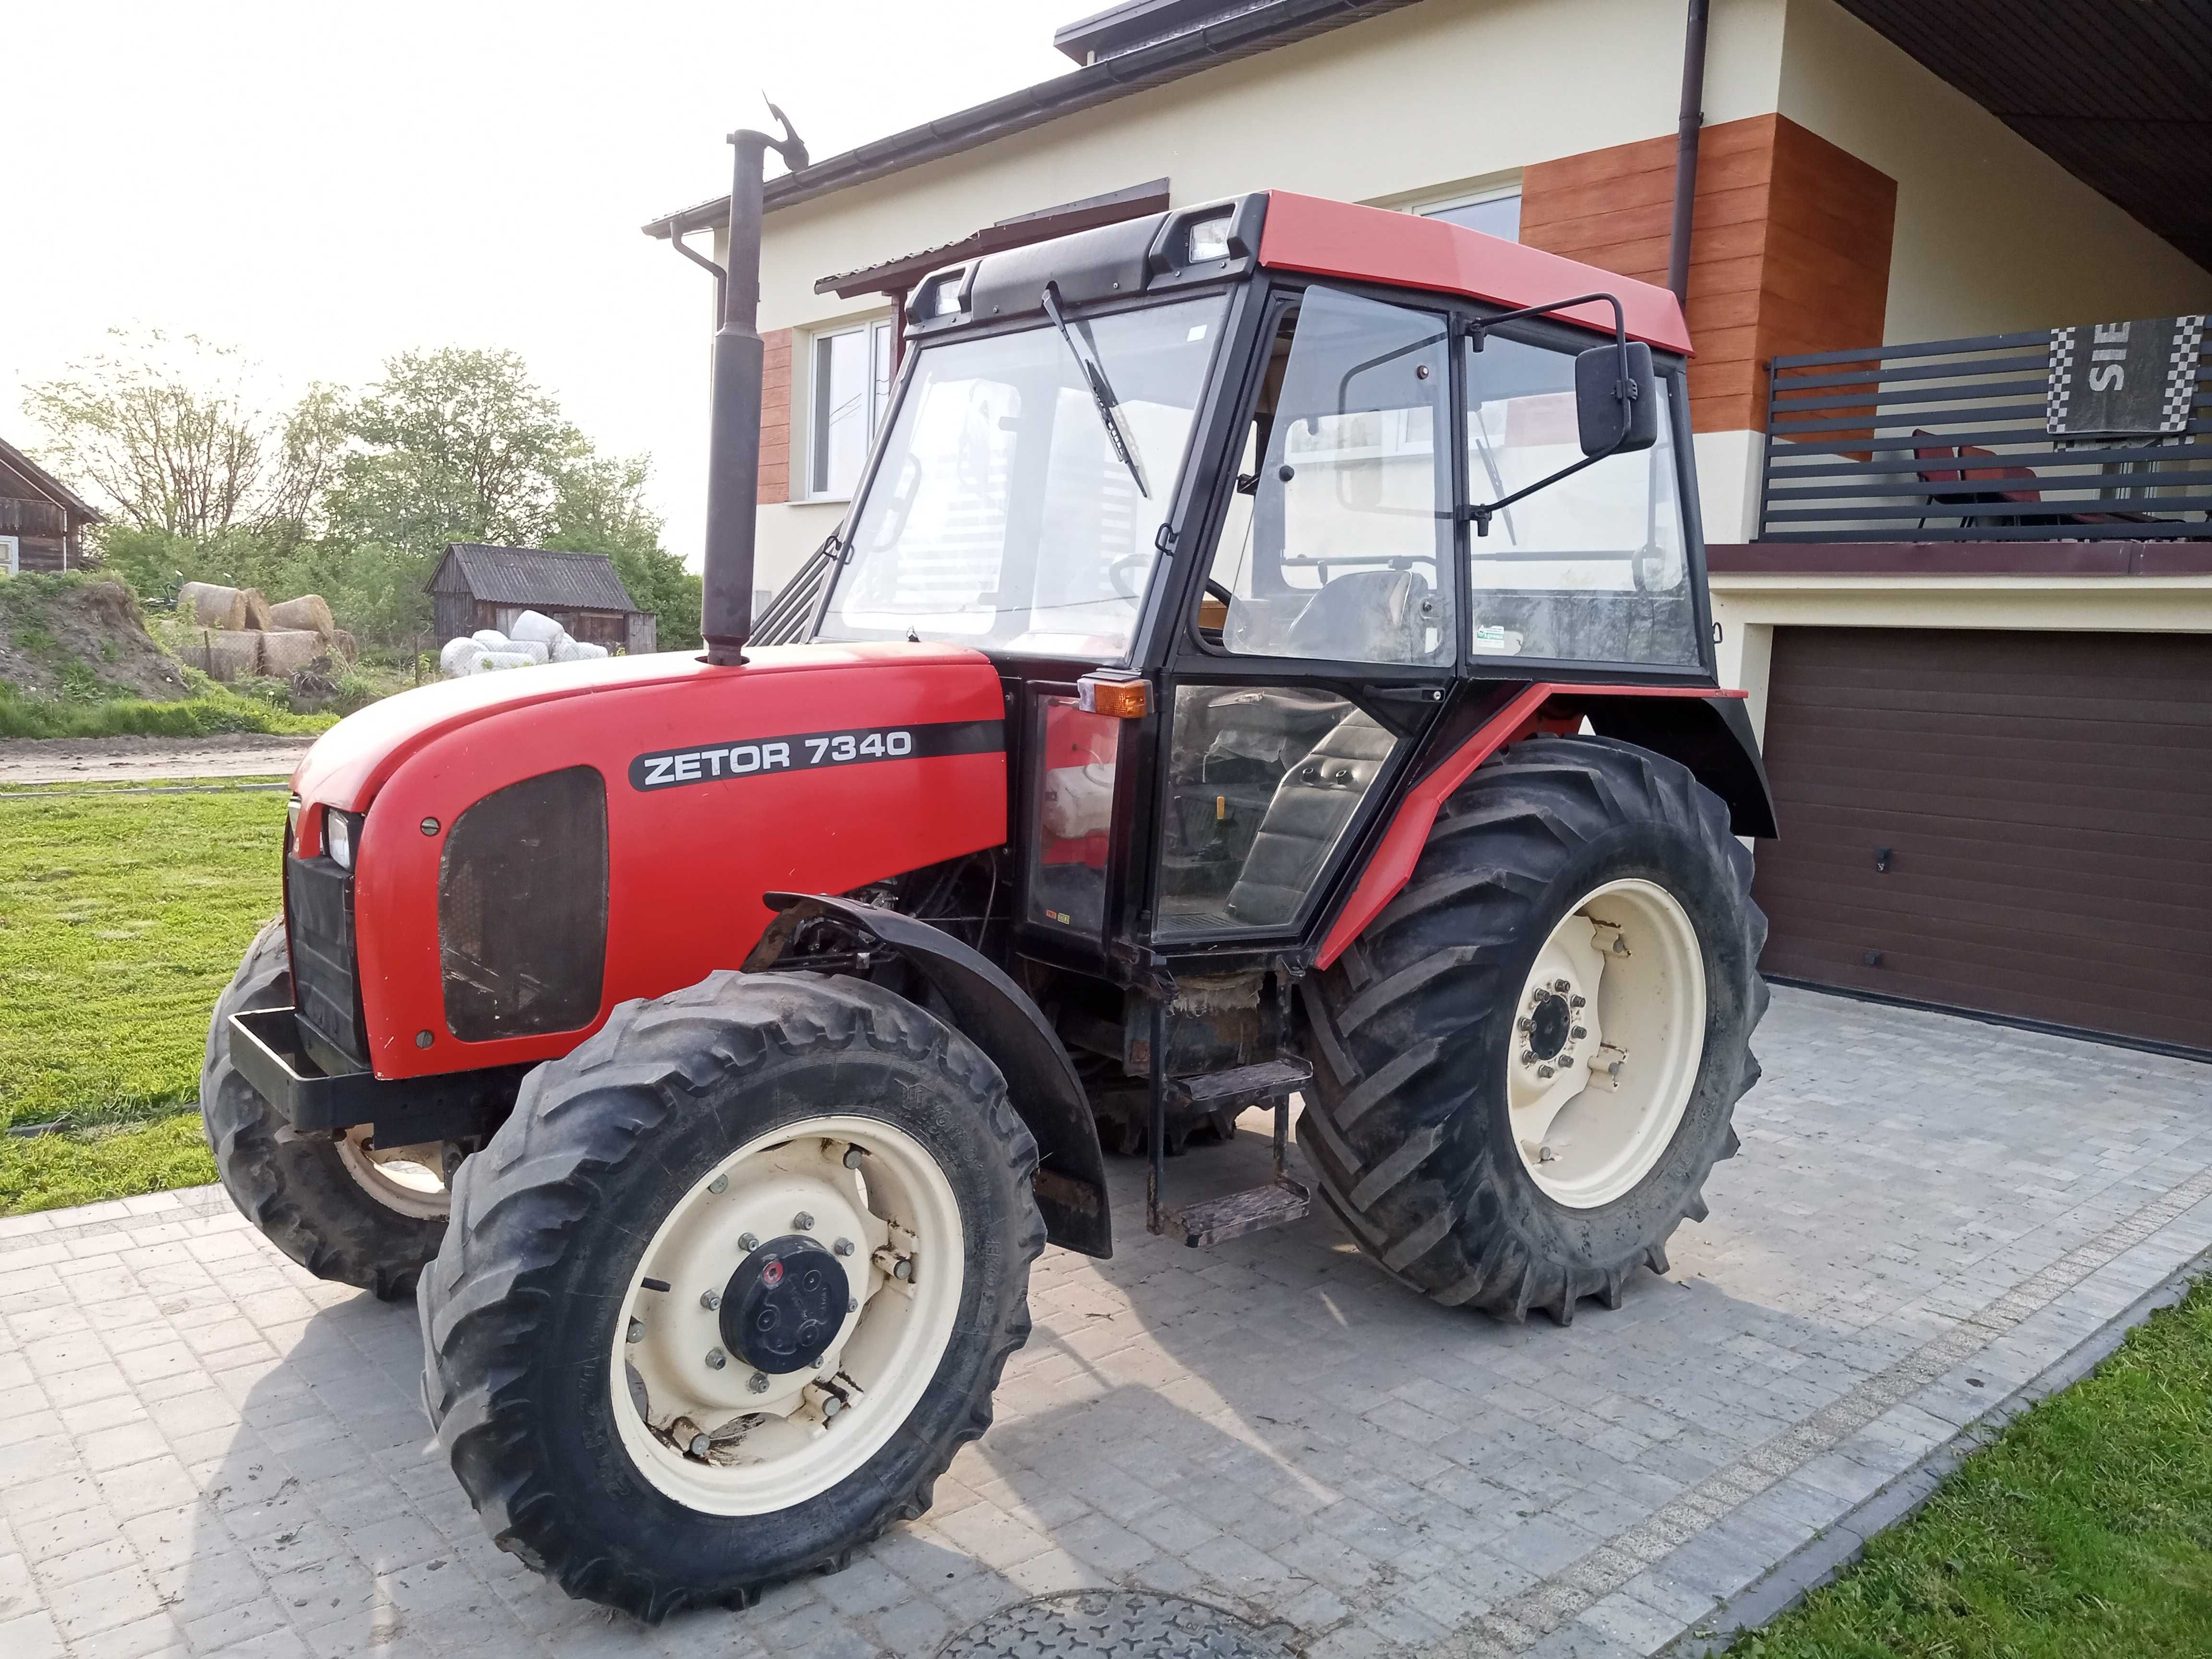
1124 1624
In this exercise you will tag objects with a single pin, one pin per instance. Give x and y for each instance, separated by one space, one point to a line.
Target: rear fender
1706 729
994 1013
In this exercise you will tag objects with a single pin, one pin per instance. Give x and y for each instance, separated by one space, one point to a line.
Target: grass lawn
122 917
2085 1532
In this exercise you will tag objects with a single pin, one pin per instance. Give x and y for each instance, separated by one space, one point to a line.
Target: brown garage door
2043 802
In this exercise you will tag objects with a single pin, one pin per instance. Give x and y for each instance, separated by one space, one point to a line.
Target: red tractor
1267 654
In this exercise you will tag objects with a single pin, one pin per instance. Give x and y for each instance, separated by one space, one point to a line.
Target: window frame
14 547
1431 207
877 326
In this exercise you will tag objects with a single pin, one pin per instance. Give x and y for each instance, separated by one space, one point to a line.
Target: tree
169 434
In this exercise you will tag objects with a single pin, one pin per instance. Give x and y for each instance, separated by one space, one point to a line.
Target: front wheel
1526 1068
726 1293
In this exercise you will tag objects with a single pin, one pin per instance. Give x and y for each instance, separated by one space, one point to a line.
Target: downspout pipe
734 447
1686 132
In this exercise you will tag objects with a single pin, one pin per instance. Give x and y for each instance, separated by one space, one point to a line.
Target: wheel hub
1549 1022
784 1304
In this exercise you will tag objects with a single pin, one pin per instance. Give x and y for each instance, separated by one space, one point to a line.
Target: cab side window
1338 543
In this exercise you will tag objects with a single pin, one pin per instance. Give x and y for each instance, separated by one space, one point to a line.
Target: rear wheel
345 1210
1526 1068
729 1287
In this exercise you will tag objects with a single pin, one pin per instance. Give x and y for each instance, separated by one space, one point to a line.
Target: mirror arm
1625 390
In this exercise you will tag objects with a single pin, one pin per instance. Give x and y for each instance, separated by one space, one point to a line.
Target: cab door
1327 635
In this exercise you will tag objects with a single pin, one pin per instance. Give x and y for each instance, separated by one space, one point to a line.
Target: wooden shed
476 587
41 519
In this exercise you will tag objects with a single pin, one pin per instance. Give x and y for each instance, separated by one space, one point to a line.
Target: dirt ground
91 628
109 760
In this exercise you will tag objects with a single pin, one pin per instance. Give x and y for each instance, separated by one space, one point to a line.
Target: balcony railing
1949 440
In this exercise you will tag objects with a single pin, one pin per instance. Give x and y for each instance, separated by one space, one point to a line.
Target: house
1974 619
476 586
42 519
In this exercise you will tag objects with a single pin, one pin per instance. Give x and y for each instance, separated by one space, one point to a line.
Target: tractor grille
326 989
522 908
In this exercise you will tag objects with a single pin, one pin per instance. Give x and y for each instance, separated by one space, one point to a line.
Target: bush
210 714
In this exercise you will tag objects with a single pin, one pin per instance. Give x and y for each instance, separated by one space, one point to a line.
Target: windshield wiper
1101 392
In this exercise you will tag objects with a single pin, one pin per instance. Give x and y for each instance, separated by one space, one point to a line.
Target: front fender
997 1015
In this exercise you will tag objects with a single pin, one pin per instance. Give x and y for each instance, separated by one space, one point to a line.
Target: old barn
477 586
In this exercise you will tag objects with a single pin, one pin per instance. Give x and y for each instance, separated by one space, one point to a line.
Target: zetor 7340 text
1268 655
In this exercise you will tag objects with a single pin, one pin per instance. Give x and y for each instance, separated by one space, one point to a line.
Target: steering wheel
1127 575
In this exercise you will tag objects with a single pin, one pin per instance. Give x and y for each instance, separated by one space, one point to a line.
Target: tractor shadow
1272 1424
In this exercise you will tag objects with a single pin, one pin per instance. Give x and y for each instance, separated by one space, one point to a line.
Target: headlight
1209 239
337 837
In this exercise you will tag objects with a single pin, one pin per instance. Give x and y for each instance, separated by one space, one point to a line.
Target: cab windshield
1004 514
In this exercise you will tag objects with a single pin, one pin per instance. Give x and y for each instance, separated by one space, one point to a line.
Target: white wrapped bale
490 638
578 651
459 656
533 649
535 625
492 661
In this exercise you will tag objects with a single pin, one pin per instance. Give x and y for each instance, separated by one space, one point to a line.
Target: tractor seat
1313 806
1368 616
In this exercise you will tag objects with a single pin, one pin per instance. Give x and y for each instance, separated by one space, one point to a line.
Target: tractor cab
1248 503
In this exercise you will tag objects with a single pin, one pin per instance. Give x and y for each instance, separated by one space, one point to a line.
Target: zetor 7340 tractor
1267 654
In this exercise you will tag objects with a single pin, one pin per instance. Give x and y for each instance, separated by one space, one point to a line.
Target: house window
10 554
851 384
1493 212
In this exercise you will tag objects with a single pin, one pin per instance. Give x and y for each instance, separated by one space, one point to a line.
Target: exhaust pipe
733 445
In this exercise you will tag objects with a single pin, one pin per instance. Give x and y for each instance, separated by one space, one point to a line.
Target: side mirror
1598 380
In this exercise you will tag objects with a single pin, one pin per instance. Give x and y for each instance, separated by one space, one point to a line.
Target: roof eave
1065 95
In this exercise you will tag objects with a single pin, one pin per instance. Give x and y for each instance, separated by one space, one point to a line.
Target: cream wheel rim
409 1179
1607 1036
722 1437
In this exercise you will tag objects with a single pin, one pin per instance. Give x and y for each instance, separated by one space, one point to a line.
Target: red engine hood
351 761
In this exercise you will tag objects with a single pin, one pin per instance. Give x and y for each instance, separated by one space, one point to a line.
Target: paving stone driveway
206 1451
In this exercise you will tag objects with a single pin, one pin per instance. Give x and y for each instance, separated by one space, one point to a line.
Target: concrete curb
1824 1557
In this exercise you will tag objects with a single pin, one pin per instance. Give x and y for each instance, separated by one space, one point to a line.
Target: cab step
1240 1086
1234 1214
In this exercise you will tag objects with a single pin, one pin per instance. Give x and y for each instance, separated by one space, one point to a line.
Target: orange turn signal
1121 700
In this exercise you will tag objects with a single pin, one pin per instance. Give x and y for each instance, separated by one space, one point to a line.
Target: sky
323 186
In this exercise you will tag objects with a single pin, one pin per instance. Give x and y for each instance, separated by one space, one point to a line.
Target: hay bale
459 656
284 653
256 609
228 654
208 606
310 612
345 645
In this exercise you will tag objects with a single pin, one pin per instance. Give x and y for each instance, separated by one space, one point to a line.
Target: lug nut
716 1360
637 1332
756 1383
1528 1056
719 1184
749 1241
843 1246
701 1445
852 1304
710 1300
831 1406
1580 1033
902 1270
1565 1062
1524 1023
1546 1155
802 1223
1543 1071
1561 984
852 1156
1577 1002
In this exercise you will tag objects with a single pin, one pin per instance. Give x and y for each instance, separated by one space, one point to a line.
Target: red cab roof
1373 244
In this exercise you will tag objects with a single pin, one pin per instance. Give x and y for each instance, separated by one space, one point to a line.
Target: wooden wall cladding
776 416
1790 251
